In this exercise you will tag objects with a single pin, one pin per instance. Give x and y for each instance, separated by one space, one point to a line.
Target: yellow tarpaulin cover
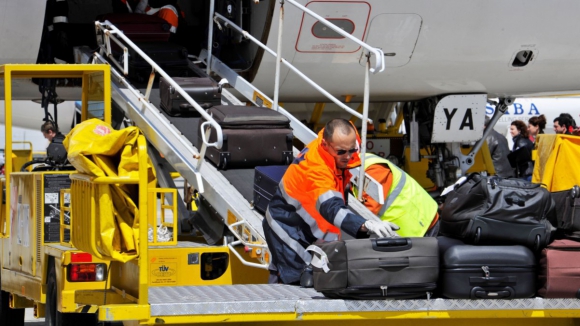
96 149
556 164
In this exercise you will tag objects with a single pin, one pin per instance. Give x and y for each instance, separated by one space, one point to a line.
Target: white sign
459 118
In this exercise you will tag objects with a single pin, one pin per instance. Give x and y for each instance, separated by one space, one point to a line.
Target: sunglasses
341 152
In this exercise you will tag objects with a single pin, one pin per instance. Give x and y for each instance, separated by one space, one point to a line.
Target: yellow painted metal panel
179 266
124 312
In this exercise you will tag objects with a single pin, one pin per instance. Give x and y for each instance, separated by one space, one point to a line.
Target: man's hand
383 229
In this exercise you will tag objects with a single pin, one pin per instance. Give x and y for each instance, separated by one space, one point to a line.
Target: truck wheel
53 317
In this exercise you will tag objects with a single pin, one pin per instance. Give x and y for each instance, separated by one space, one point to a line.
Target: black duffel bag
494 210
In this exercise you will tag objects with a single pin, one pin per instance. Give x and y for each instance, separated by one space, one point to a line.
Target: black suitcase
172 58
568 212
493 210
266 180
488 272
252 136
384 268
203 90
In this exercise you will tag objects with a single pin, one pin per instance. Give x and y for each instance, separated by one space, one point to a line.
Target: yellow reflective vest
407 204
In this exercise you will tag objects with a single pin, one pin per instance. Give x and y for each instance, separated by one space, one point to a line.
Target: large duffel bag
493 210
203 90
488 272
559 272
384 268
252 136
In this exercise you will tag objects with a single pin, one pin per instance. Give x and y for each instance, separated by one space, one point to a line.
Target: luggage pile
500 239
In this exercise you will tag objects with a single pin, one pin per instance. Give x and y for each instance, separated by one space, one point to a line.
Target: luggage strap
317 262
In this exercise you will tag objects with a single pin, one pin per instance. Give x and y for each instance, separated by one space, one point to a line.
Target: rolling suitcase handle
391 244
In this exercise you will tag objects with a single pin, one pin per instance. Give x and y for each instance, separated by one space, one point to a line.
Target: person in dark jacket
536 126
521 155
499 150
55 150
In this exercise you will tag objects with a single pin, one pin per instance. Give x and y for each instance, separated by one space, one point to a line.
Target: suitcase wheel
477 235
575 192
537 242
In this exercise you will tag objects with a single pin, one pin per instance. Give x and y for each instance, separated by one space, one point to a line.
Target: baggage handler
55 150
310 205
407 204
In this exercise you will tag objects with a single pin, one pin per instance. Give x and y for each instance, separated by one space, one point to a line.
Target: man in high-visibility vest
407 204
310 206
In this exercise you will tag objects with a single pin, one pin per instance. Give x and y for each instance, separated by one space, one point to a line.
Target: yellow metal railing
86 209
65 211
164 226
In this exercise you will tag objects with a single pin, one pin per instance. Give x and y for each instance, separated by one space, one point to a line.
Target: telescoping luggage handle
320 260
391 244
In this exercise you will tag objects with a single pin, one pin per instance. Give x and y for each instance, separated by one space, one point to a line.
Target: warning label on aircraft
459 118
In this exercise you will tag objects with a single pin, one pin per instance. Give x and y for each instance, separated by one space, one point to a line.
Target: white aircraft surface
446 56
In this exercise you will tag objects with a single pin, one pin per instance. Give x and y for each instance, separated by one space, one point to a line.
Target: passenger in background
561 125
521 156
536 126
571 122
499 150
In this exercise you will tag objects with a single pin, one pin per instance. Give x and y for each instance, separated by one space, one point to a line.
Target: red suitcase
559 274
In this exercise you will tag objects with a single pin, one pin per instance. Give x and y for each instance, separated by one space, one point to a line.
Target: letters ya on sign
459 118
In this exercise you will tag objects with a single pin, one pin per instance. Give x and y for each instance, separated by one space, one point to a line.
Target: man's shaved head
337 125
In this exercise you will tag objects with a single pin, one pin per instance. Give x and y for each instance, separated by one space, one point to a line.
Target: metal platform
278 298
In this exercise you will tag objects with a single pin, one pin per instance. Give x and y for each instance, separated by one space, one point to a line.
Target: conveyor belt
241 179
278 298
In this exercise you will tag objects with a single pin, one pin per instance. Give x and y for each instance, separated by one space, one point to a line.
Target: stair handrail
110 30
230 24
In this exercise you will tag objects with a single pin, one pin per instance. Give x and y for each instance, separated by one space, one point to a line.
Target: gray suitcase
385 268
204 91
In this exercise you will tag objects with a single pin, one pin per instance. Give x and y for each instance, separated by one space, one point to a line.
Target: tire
53 317
8 316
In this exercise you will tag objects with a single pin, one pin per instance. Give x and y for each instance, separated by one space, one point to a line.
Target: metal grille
39 217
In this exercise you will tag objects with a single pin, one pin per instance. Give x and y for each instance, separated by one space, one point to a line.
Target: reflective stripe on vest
306 217
405 194
297 247
341 214
60 19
